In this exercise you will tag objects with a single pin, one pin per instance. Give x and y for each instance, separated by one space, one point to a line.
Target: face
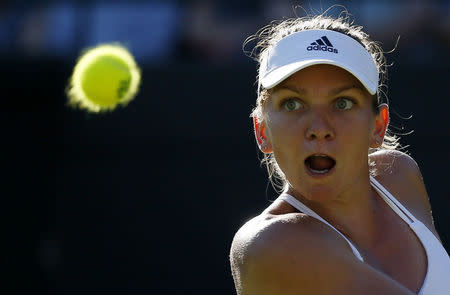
320 123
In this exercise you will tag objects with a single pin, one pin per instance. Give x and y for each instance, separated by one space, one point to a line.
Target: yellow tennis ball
104 77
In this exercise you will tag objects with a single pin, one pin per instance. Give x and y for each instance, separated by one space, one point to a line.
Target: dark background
146 199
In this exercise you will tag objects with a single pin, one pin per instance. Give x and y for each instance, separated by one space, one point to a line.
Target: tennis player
354 215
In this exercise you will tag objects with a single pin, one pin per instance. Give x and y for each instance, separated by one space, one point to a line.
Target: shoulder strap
392 201
302 208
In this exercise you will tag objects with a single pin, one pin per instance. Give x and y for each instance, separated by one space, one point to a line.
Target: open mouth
320 163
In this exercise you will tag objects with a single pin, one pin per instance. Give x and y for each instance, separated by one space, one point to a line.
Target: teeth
319 171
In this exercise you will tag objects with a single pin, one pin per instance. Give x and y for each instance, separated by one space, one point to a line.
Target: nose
319 128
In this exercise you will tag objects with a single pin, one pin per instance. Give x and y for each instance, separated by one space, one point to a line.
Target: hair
269 35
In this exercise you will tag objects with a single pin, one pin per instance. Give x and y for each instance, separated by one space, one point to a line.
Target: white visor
311 47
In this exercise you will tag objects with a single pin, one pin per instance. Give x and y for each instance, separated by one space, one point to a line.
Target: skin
324 109
323 128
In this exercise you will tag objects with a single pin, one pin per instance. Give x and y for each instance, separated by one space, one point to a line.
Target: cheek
355 132
284 131
286 136
354 144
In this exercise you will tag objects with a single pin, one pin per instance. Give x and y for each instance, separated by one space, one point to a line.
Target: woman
354 215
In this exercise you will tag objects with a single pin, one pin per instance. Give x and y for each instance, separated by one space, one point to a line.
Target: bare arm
296 258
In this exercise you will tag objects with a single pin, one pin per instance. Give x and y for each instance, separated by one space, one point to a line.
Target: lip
316 175
319 175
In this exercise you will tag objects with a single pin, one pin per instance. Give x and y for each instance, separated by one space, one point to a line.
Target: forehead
321 77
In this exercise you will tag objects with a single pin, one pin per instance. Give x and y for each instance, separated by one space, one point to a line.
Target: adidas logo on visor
322 44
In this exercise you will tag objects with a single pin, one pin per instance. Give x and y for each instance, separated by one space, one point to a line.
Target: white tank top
437 278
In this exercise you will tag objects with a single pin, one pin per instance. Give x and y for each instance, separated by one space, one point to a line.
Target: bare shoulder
293 253
393 162
272 244
274 233
401 175
262 238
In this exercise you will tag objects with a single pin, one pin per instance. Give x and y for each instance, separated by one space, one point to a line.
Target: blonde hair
275 31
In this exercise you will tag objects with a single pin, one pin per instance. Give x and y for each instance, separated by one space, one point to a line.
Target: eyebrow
303 91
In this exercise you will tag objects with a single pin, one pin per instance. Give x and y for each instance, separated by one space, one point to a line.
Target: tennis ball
104 77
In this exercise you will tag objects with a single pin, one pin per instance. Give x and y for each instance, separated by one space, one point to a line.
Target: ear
263 142
381 124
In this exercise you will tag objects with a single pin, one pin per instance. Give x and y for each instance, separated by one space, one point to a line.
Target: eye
291 104
344 104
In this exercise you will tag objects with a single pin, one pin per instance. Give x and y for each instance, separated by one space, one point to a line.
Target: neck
354 213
